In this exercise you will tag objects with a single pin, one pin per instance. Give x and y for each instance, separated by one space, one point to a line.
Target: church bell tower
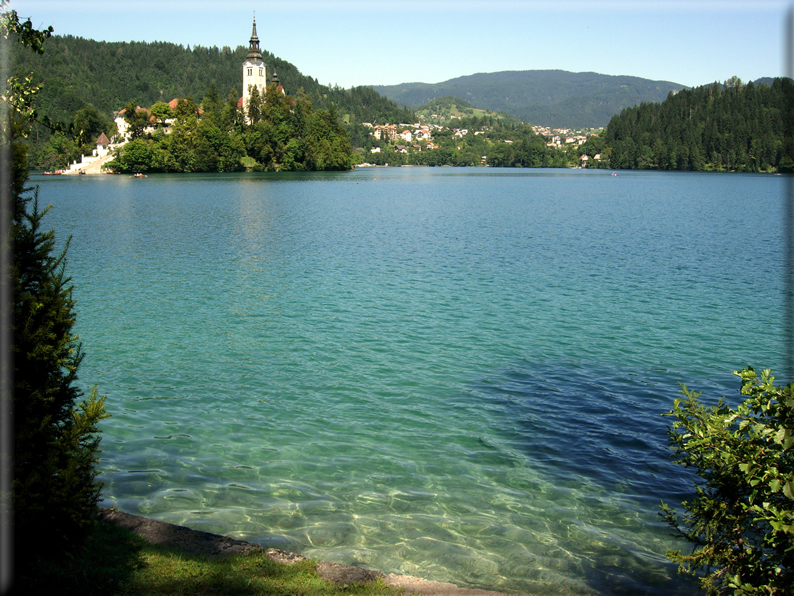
254 71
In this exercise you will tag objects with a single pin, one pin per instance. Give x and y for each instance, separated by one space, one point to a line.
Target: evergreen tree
254 104
729 127
54 492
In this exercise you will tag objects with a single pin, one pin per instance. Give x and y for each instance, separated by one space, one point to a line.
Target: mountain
549 97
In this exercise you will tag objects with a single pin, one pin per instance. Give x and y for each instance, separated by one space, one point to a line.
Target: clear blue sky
384 42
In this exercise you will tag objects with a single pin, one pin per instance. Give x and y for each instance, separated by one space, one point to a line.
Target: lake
459 374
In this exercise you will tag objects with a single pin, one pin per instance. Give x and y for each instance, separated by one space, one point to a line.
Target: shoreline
215 545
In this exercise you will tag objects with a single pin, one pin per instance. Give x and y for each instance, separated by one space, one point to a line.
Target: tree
212 105
254 104
137 156
232 115
741 520
185 109
161 111
137 119
57 152
88 124
54 491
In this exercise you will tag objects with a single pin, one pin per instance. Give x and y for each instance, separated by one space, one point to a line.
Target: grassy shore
117 561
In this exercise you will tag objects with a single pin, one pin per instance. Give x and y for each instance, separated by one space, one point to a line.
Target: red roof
174 102
137 109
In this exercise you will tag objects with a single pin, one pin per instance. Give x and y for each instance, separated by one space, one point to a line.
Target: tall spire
253 44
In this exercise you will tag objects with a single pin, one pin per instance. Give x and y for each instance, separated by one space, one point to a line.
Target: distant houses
154 124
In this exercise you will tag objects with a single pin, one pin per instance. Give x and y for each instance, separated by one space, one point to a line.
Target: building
121 122
255 73
254 70
102 144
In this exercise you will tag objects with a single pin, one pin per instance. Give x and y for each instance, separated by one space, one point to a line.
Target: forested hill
554 98
79 72
717 127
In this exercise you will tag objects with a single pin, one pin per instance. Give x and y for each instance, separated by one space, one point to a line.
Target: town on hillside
471 142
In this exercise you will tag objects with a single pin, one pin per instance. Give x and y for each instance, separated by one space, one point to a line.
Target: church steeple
253 44
254 70
274 81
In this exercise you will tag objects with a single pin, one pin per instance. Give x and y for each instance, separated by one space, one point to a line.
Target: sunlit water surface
452 373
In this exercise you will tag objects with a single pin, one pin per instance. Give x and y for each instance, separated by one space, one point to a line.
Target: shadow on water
597 434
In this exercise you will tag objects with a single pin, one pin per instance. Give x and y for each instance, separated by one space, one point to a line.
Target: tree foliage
56 440
741 519
279 132
728 127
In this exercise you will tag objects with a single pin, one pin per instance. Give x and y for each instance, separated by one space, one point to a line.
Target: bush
741 520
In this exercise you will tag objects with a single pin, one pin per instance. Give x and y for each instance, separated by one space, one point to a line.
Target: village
405 138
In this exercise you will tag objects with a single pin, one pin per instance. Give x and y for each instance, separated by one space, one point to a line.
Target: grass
115 561
248 162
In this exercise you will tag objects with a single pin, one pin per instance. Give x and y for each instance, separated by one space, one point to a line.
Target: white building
254 70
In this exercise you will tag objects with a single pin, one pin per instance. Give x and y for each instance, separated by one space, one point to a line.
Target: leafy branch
741 520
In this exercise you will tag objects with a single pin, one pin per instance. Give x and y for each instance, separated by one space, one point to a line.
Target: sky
387 42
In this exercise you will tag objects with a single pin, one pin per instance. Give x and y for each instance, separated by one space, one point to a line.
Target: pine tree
56 439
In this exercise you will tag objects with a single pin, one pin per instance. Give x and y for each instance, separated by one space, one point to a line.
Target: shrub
741 519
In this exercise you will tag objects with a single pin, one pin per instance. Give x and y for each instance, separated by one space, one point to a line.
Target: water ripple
458 374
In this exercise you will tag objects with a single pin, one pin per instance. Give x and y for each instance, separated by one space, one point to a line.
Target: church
255 72
254 75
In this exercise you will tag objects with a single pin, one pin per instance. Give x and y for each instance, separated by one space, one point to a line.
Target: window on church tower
250 72
261 74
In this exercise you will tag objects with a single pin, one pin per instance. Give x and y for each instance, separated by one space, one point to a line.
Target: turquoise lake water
458 374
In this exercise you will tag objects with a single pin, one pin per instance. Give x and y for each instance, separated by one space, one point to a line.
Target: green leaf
788 490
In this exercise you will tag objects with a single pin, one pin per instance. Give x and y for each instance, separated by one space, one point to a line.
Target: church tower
254 71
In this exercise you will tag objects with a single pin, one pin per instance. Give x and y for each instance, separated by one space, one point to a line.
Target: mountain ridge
552 97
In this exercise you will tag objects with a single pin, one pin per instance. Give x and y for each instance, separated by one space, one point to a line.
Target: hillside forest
716 127
728 127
